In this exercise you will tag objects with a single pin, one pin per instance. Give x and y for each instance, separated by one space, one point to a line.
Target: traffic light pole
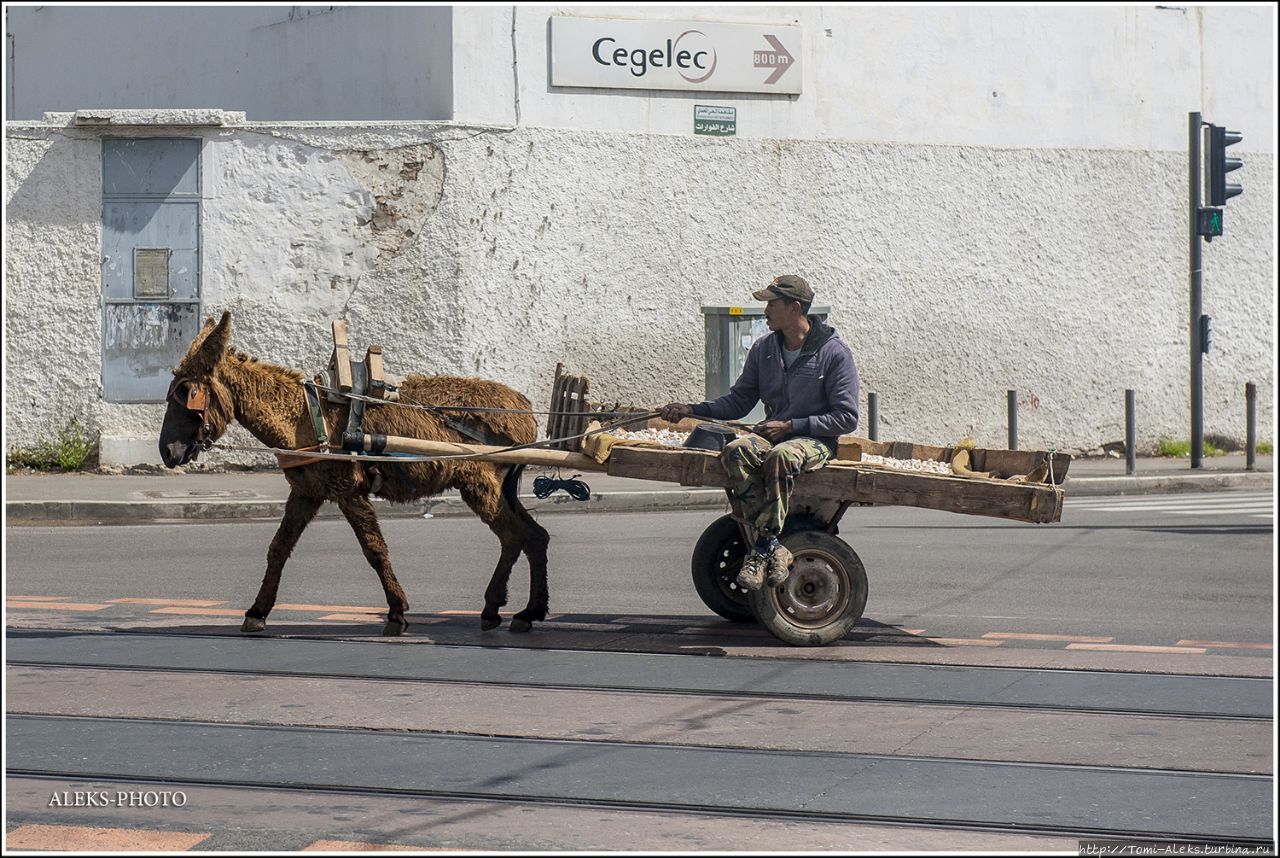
1197 356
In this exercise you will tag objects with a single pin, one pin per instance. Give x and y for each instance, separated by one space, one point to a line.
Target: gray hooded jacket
818 394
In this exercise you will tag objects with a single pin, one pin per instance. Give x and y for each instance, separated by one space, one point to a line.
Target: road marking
77 838
200 612
344 609
53 606
191 603
1220 509
1021 636
353 846
1225 644
1134 648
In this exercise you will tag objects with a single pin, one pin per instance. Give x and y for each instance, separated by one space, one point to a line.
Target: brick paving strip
77 838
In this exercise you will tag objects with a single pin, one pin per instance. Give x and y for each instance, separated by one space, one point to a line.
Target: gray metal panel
729 337
151 202
128 225
1044 797
141 344
151 166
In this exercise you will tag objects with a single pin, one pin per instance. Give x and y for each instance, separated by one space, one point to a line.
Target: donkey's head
200 405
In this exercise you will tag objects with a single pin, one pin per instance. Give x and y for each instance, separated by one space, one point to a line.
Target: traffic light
1219 165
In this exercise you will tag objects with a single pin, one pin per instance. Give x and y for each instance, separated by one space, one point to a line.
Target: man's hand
774 430
675 412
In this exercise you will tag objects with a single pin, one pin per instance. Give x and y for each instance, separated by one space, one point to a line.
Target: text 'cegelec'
641 60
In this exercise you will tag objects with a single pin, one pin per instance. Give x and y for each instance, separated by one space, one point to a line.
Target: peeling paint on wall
406 184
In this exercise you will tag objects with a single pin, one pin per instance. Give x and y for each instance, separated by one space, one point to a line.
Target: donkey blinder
198 397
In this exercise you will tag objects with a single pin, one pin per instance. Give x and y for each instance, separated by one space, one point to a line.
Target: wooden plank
1004 463
373 370
840 481
558 458
1008 463
576 422
551 403
341 357
556 422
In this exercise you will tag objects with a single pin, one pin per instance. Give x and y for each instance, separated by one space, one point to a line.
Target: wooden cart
825 594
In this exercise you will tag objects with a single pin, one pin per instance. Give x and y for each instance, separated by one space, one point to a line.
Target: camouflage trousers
762 476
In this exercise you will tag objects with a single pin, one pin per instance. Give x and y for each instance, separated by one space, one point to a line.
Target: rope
404 458
544 487
466 409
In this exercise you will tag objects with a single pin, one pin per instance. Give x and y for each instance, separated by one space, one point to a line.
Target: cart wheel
822 598
717 560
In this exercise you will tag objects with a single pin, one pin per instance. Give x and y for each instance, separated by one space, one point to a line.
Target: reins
317 453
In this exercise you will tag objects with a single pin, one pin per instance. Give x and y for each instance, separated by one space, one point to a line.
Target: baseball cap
791 286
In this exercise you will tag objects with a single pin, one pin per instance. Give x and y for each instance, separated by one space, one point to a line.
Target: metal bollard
873 416
1250 425
1130 435
1013 420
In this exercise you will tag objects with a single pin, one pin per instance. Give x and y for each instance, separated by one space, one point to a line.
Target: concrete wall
272 62
1006 76
954 272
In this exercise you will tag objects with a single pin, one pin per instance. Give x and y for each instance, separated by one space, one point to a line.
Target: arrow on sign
779 59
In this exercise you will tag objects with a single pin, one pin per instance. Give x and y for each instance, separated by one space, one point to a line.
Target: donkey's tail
511 490
511 494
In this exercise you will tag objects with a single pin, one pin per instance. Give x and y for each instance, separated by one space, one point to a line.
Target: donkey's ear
215 339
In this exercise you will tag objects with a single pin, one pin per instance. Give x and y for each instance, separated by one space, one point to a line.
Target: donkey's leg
512 523
484 497
364 521
536 540
298 512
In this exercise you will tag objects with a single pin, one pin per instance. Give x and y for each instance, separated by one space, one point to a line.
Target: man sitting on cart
805 375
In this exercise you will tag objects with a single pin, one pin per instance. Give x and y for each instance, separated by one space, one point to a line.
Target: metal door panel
142 343
151 167
138 224
150 263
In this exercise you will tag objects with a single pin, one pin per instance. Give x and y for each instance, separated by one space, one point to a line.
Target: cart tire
823 597
717 559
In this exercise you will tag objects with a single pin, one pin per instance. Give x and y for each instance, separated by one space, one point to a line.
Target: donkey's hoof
253 624
395 627
489 624
520 626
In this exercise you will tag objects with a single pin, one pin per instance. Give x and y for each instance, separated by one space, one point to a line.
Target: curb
34 512
1166 483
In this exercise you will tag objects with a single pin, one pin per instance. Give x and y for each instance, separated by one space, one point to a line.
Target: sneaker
779 565
752 575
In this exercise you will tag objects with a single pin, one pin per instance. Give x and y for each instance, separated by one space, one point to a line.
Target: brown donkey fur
270 402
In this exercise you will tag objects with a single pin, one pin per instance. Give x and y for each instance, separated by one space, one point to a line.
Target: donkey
216 383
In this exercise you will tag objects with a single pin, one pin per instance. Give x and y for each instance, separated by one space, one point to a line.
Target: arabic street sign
716 121
684 55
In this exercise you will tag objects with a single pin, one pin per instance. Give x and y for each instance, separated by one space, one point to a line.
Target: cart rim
729 563
816 592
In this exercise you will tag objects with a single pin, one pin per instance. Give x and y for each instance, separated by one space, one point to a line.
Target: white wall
273 62
967 243
1066 76
970 271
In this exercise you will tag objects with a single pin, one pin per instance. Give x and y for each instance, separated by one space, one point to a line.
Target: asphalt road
1143 571
1012 688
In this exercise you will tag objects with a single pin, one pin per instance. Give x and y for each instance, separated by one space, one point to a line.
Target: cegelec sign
692 55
